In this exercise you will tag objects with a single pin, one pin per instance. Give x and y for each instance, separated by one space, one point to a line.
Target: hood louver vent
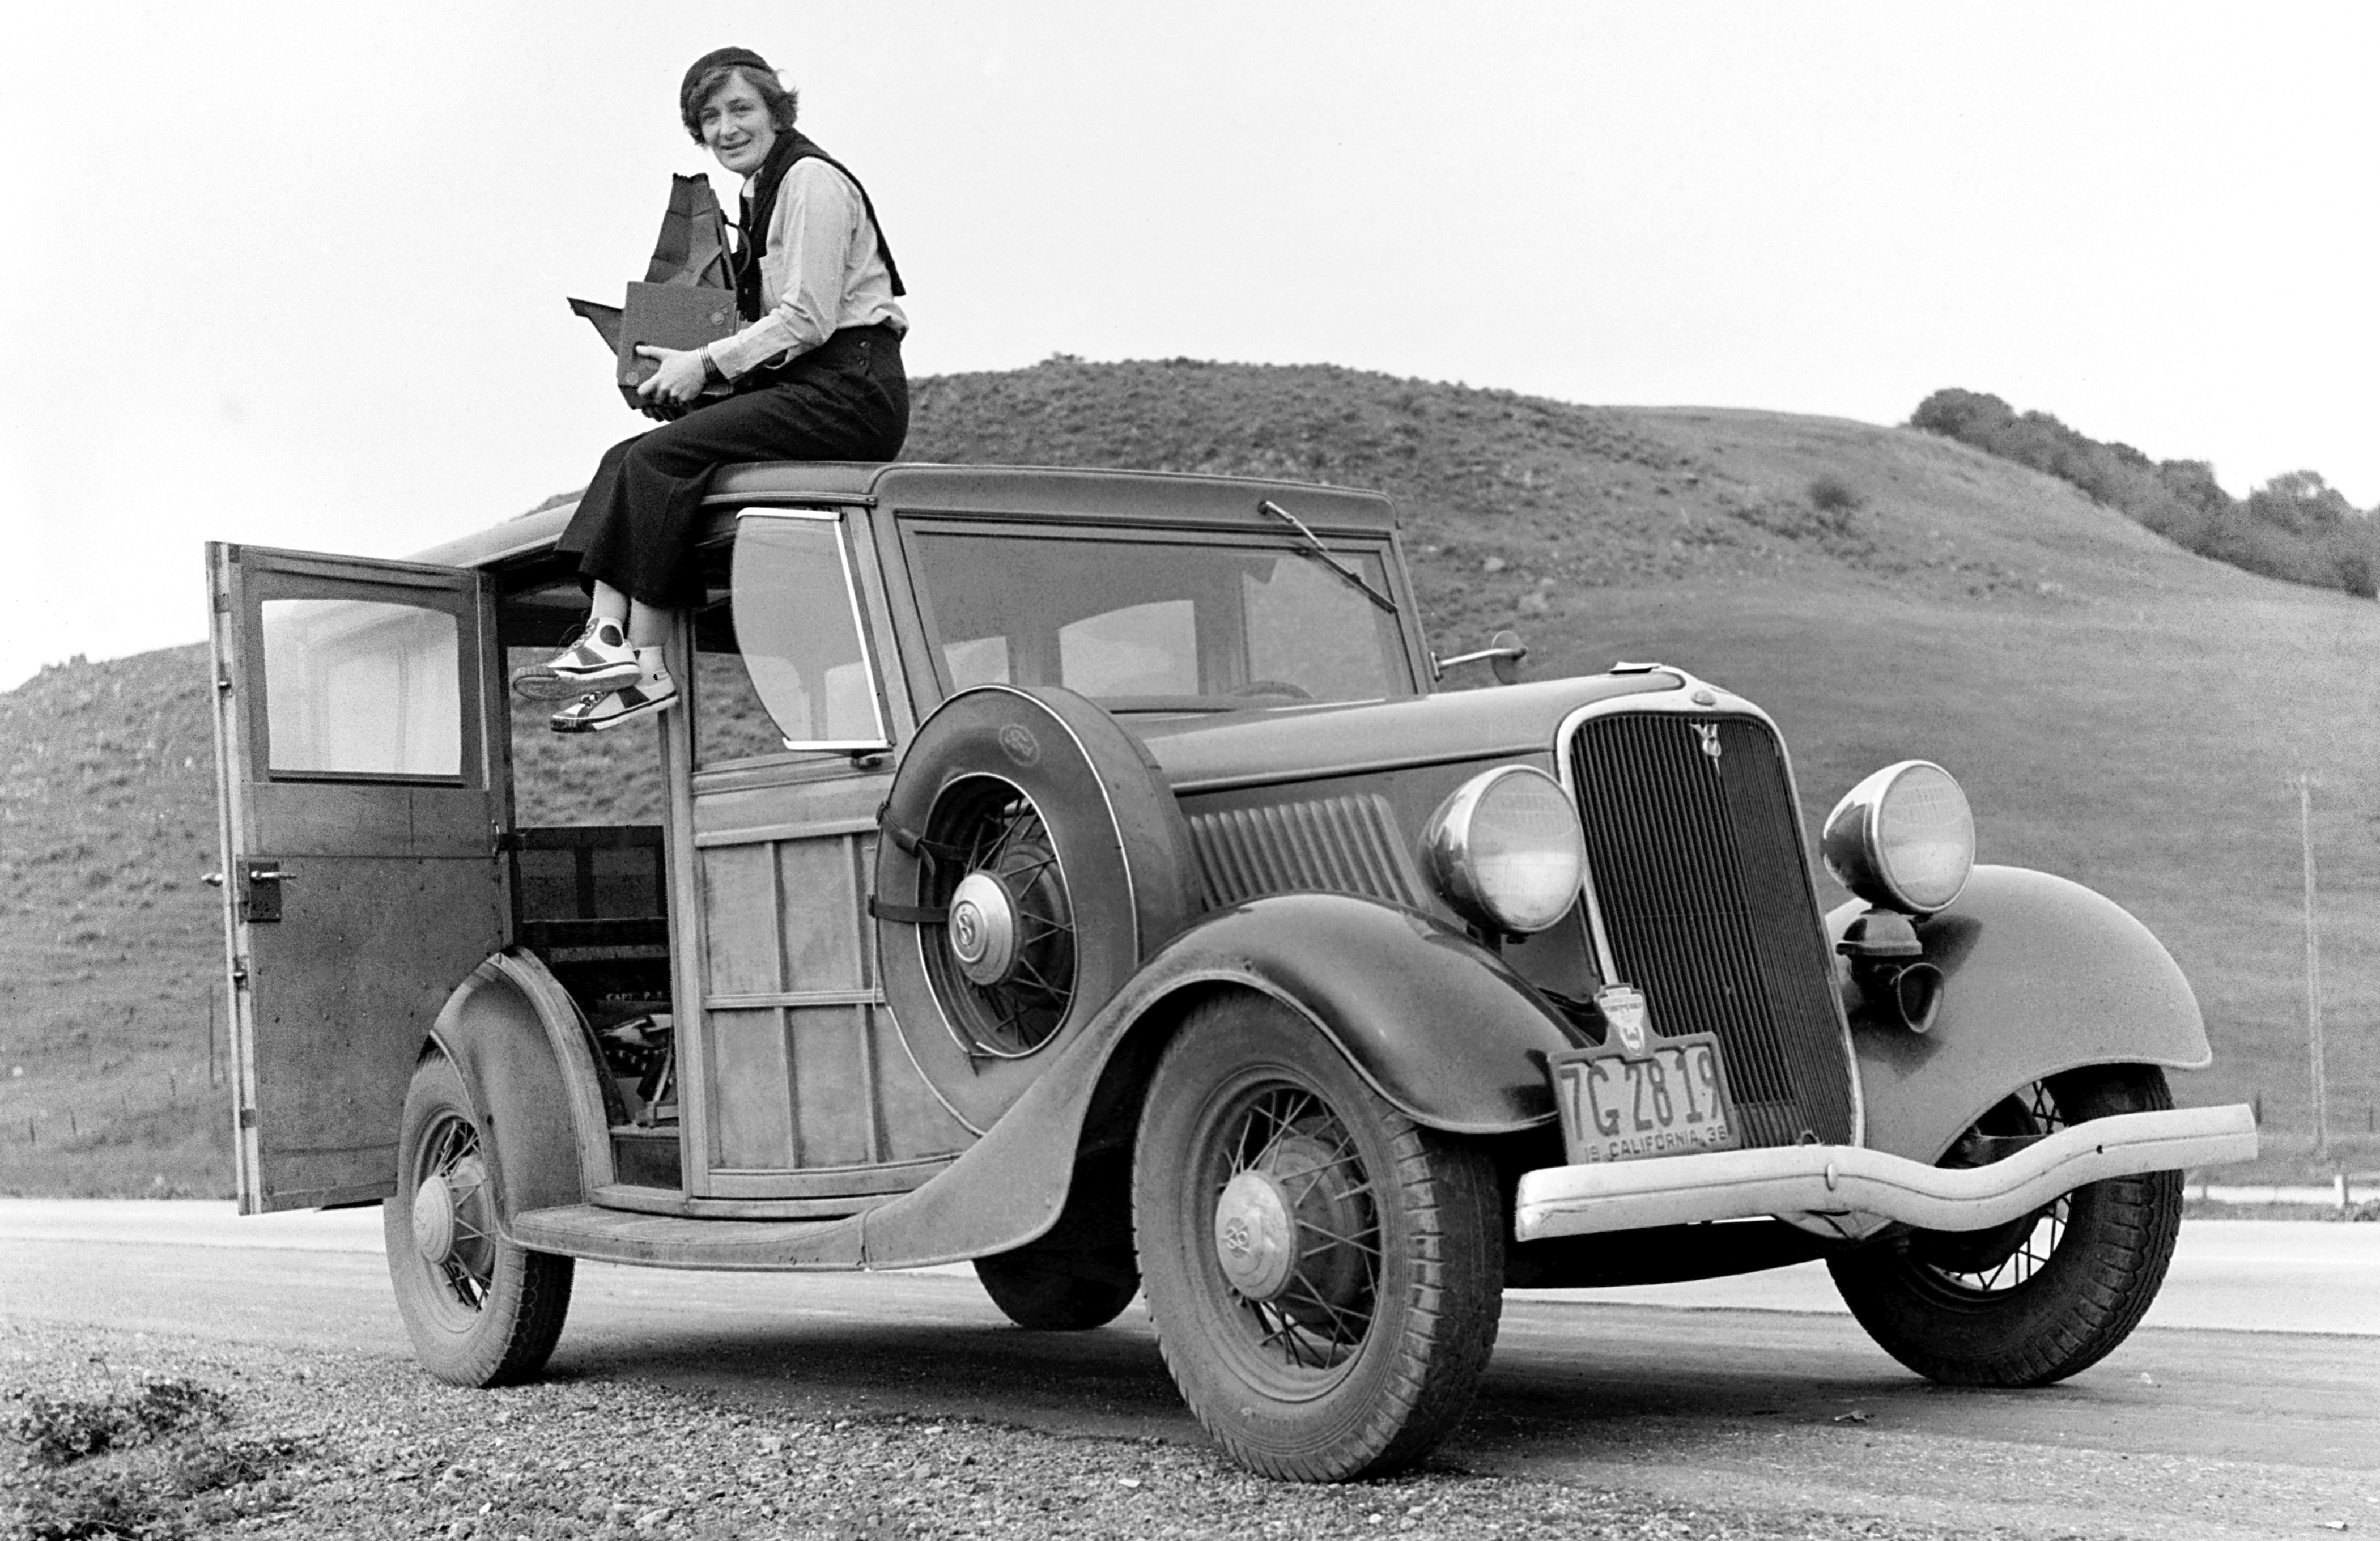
1342 844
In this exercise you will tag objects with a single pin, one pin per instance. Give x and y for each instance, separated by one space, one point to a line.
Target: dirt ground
276 1442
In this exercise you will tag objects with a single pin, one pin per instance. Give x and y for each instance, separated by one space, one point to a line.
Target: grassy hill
2120 711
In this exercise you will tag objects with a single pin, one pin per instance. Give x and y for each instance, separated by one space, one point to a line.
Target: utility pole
2306 784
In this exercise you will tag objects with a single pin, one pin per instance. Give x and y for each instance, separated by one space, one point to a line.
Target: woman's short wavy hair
714 71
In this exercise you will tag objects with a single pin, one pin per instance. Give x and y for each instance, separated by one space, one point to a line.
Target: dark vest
753 230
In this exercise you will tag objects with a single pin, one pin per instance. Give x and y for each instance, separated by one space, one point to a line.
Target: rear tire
2042 1298
481 1311
1364 1254
1047 1291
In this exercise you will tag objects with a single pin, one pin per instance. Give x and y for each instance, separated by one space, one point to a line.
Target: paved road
1756 1393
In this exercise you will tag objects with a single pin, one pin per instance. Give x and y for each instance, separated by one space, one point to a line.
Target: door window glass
798 626
362 687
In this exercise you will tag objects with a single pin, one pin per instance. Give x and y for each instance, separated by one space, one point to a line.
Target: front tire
481 1311
1324 1274
2042 1298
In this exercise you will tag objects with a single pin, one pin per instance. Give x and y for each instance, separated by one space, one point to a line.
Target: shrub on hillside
2296 526
1831 494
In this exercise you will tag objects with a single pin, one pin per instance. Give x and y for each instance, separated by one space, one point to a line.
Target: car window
798 628
730 722
1154 623
361 687
1141 649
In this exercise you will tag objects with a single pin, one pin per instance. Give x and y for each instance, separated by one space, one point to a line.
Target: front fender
514 1036
2040 976
1436 1023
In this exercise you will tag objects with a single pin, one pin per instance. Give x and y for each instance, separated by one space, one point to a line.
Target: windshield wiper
1321 554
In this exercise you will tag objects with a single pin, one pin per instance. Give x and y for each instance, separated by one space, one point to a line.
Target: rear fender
517 1039
2040 976
1433 1021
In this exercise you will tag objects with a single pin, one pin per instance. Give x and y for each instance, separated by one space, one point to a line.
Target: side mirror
1505 651
1502 655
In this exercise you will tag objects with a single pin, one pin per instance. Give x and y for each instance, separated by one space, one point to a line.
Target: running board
1822 1185
674 1242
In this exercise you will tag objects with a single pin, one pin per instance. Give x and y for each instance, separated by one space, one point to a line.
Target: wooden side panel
807 1082
740 906
833 1098
751 1117
827 942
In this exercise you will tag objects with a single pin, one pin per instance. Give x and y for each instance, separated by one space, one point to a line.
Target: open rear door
362 797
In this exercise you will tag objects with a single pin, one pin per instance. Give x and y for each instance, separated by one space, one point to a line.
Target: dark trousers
846 399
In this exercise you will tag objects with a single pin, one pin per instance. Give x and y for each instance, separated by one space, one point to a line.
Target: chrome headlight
1506 850
1903 839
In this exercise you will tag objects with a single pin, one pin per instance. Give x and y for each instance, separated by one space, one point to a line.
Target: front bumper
1845 1190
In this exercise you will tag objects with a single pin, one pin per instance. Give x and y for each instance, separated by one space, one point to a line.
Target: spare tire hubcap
983 929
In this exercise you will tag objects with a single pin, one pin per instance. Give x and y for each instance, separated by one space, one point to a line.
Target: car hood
1249 748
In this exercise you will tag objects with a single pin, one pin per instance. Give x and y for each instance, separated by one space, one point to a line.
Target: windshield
1160 624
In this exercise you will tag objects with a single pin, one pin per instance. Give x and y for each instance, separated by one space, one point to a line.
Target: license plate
1670 1100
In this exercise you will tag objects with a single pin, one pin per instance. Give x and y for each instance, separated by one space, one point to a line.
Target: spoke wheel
1970 1264
2044 1296
1032 857
1003 962
1325 1275
1297 1231
481 1311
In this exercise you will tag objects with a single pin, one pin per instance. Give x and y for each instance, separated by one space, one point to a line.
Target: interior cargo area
590 887
592 901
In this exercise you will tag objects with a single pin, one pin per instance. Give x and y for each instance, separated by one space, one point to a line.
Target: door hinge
239 974
223 683
247 1118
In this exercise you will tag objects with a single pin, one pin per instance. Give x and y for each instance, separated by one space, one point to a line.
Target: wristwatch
711 373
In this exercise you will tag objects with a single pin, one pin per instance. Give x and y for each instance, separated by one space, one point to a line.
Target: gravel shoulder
329 1445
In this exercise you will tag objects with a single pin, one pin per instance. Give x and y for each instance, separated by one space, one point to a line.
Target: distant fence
200 1078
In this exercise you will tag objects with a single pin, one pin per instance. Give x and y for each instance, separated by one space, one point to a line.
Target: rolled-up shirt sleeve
818 219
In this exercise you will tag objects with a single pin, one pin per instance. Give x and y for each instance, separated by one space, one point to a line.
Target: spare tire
1031 856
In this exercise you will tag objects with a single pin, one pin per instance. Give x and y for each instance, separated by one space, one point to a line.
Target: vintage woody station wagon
1078 873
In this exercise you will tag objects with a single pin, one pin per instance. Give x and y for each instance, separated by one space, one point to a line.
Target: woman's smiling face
737 126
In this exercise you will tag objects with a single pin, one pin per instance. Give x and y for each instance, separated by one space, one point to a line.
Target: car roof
1038 493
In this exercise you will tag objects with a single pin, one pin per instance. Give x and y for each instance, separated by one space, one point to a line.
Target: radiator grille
1699 868
1344 845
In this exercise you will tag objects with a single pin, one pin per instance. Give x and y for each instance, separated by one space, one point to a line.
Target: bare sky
293 273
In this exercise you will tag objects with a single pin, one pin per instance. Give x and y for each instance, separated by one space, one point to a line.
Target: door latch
260 892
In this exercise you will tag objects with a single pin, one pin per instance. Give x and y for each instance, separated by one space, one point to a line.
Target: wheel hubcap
983 929
433 1220
1255 1235
1297 1236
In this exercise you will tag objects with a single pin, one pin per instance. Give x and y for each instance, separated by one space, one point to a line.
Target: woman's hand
677 381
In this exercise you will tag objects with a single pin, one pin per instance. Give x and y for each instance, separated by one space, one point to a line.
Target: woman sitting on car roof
815 374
